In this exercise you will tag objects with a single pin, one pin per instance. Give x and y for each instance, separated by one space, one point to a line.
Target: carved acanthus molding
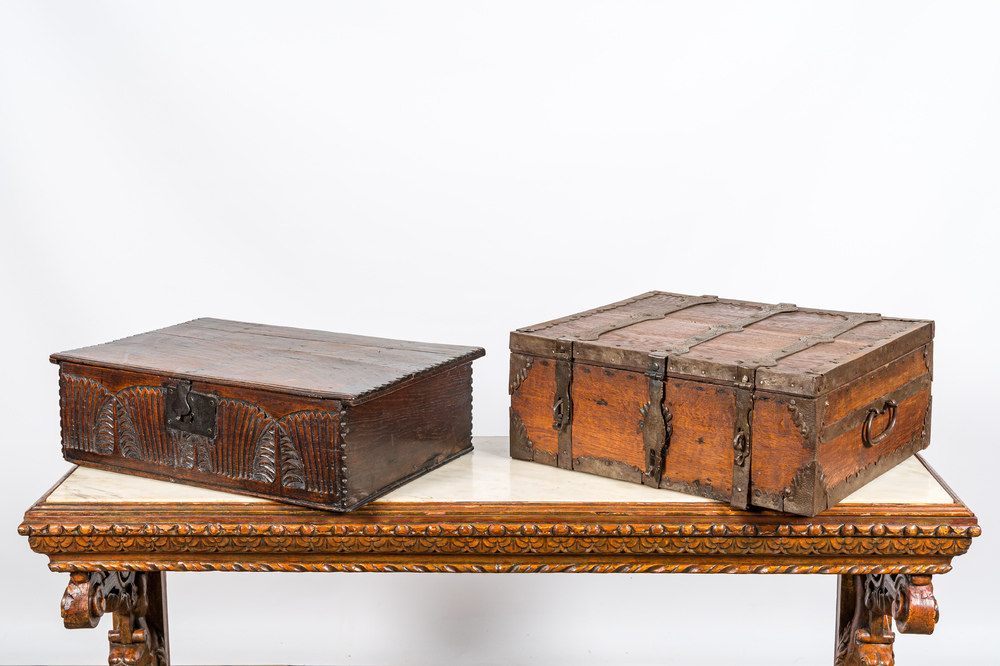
85 566
463 529
562 539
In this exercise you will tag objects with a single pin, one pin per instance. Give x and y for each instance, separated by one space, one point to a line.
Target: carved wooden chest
772 406
321 419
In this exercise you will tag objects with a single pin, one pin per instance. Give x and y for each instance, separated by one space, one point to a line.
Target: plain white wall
449 171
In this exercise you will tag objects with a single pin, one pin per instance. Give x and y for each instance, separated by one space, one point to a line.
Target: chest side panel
118 420
406 433
699 457
872 440
877 385
532 394
784 436
608 410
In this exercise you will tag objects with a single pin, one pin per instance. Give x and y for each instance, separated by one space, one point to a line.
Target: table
118 535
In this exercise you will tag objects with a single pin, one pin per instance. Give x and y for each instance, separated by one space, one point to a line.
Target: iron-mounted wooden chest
772 406
321 419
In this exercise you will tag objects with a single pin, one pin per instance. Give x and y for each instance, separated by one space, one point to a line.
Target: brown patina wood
320 419
772 406
118 551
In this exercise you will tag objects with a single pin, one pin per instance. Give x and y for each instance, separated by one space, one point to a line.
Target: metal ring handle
866 434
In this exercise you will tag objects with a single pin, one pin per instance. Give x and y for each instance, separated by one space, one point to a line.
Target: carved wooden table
117 536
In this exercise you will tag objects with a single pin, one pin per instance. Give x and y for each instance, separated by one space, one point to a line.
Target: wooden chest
772 406
320 419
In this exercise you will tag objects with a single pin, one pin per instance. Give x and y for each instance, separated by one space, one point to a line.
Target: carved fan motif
264 468
308 449
204 455
140 417
292 473
244 448
105 434
250 445
87 415
127 441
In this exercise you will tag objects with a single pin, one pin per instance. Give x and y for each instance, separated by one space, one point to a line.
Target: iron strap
648 315
562 412
730 327
743 438
656 427
807 341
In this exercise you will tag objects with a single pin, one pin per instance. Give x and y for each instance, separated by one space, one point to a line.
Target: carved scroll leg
138 602
864 626
866 605
915 608
82 603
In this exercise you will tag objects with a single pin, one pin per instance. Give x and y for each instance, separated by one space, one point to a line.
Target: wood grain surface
531 404
274 427
771 399
309 363
607 414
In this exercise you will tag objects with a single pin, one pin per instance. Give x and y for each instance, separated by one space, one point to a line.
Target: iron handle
866 433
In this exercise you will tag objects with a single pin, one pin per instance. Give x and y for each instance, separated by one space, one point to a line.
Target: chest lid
316 364
799 351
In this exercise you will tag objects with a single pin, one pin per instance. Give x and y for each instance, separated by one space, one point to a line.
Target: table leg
866 606
138 601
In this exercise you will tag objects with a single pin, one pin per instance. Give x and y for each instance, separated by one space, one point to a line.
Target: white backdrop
449 171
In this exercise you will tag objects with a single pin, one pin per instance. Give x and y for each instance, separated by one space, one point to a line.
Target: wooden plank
699 458
320 336
607 415
330 369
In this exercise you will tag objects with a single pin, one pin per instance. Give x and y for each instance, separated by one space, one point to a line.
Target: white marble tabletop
487 475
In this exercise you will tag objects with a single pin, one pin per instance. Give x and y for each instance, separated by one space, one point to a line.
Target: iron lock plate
189 411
